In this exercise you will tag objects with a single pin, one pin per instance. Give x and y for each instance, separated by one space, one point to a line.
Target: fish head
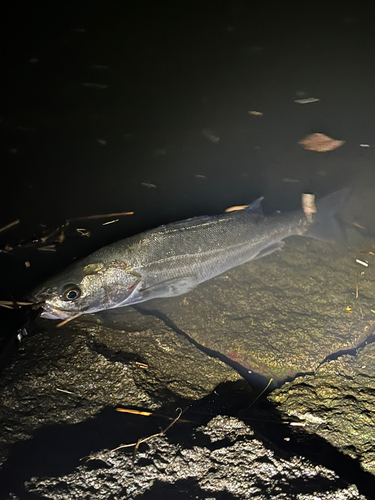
86 288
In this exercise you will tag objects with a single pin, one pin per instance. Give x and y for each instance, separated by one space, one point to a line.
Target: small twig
356 291
363 263
83 232
8 226
297 424
135 412
141 365
64 390
151 414
65 321
110 222
140 440
104 216
264 390
7 307
11 302
48 248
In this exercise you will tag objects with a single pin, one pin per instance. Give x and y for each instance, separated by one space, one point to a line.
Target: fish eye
71 292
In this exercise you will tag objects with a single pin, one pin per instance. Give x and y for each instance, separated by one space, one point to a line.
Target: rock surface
283 314
59 395
232 463
337 403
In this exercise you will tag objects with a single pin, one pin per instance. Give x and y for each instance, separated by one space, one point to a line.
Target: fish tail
327 224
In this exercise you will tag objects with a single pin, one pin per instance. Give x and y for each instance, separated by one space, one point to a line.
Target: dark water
99 100
144 107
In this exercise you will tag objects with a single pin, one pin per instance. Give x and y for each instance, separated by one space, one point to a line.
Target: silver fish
174 258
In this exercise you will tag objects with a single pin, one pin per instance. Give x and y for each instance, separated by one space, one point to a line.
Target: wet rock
337 403
280 316
171 359
283 314
224 457
67 376
57 378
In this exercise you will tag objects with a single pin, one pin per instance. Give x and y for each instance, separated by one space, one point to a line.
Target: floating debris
57 235
210 135
104 216
110 222
255 113
27 264
83 232
235 208
364 145
6 249
135 412
149 185
141 440
320 143
200 176
308 205
11 224
62 323
13 304
102 142
48 248
365 264
308 100
6 306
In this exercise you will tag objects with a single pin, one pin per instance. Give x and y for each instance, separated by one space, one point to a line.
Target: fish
175 258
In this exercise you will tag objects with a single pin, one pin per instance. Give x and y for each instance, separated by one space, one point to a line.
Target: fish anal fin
270 249
170 288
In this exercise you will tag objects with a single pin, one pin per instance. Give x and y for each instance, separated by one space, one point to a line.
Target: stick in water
62 323
8 226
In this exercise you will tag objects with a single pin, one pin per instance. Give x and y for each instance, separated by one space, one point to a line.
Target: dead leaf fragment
308 205
320 143
234 209
309 100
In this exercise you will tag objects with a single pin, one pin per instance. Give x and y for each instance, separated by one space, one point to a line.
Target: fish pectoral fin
270 249
170 288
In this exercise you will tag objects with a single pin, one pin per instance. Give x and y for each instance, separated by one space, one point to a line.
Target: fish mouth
48 311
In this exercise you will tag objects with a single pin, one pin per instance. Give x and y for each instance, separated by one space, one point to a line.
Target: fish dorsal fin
256 206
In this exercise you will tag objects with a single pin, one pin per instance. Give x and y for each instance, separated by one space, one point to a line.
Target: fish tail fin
327 224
